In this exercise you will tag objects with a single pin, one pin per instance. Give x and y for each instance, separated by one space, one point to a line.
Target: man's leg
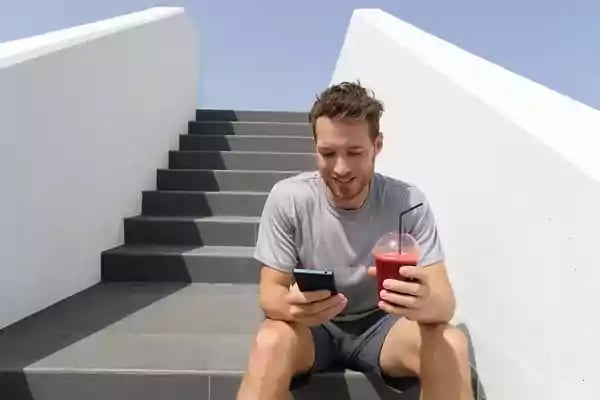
280 351
437 354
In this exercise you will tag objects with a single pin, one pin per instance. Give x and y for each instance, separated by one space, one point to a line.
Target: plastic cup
391 252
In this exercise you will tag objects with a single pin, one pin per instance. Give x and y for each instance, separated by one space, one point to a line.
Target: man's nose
341 167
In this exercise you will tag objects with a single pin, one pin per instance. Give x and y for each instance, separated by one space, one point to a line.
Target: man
330 219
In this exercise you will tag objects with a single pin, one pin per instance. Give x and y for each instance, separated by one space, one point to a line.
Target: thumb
372 271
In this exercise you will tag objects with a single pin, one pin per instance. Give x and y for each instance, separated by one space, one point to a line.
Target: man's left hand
412 298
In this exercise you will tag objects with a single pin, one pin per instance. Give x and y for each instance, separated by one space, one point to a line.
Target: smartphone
310 279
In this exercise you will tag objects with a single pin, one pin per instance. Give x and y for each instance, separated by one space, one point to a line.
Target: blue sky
278 54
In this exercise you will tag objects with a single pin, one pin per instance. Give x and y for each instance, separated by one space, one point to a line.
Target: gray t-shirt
301 228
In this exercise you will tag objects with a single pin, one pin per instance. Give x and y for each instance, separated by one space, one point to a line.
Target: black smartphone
310 279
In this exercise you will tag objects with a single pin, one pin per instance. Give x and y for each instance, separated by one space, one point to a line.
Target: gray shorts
354 345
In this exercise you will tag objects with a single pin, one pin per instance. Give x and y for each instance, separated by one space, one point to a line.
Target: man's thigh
400 352
363 352
326 355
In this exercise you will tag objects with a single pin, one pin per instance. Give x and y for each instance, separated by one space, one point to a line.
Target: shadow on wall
477 384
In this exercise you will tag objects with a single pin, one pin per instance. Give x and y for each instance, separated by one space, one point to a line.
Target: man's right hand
314 308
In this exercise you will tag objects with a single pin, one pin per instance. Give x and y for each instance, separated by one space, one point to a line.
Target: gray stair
251 116
269 143
241 160
250 128
177 309
207 231
180 263
155 341
214 180
198 203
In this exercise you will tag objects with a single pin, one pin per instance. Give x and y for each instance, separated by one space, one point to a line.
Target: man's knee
291 345
404 357
277 337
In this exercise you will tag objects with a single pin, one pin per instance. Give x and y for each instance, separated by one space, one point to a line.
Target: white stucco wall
513 172
87 114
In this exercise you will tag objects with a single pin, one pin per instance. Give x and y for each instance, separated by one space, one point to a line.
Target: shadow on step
65 323
355 386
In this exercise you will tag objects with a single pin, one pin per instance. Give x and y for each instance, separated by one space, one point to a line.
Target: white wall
87 115
513 172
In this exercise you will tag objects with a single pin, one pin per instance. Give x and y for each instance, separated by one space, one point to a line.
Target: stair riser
114 386
200 233
219 180
244 161
182 268
202 204
251 116
249 128
247 143
192 386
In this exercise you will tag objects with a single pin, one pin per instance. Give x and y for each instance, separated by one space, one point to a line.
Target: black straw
400 225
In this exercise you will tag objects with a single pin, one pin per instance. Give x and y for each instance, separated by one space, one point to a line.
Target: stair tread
231 171
293 153
224 251
245 137
211 218
150 328
225 115
138 326
210 193
253 123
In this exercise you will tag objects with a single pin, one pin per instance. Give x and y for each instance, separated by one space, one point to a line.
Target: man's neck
356 203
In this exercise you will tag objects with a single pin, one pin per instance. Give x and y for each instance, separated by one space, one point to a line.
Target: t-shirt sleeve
424 229
275 243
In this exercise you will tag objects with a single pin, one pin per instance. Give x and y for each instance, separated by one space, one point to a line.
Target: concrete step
203 231
250 115
243 160
268 143
168 263
214 180
250 128
202 203
152 341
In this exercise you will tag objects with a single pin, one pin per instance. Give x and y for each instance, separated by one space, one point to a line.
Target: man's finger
297 297
325 313
316 308
335 309
412 272
401 300
410 288
372 271
391 309
322 306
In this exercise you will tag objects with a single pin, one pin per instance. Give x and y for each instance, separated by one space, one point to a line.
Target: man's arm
276 251
274 287
441 291
281 302
427 296
433 271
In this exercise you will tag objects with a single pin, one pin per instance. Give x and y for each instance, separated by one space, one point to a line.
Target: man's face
346 159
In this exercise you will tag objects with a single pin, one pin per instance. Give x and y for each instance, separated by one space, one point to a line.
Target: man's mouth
343 181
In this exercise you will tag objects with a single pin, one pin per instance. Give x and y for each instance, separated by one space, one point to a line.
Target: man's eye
327 155
355 153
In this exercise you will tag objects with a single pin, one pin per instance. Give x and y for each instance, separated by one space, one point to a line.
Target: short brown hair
348 100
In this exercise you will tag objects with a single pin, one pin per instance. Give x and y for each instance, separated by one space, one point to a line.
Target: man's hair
348 101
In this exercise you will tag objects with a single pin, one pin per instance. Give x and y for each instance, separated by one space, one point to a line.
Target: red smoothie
389 263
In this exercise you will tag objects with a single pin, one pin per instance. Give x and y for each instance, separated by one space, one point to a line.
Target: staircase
176 312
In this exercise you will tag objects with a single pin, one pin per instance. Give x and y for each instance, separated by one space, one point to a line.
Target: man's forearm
446 305
274 305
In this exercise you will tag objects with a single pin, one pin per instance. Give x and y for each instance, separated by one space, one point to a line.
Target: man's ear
378 143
